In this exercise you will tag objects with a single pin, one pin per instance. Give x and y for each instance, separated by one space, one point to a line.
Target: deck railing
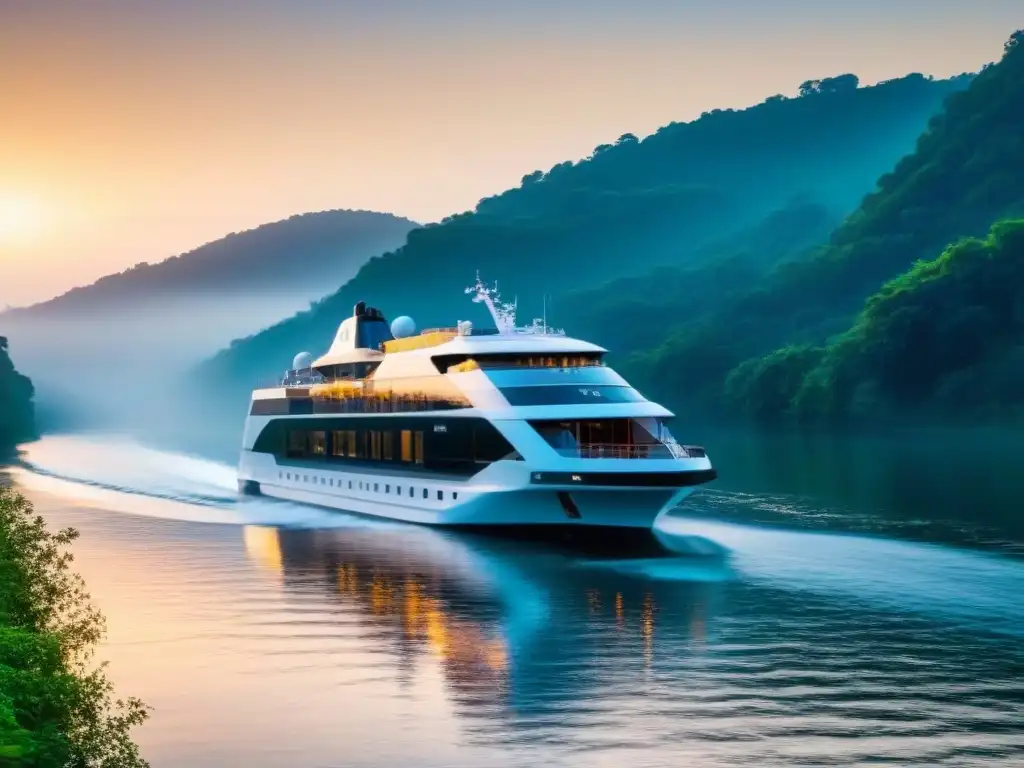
670 450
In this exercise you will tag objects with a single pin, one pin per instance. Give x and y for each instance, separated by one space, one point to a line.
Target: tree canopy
57 708
16 410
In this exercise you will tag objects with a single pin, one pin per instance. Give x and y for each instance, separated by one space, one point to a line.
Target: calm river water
870 612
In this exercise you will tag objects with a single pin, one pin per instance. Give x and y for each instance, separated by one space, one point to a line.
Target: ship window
440 495
411 491
456 363
406 445
376 487
296 443
562 394
424 493
387 489
350 485
388 446
419 447
455 495
398 490
318 443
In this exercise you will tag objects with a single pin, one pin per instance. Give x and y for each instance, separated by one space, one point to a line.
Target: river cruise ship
518 429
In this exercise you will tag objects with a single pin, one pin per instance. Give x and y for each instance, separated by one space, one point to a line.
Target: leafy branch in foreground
56 707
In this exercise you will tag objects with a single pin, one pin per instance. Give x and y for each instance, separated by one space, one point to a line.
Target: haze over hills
676 198
300 254
150 322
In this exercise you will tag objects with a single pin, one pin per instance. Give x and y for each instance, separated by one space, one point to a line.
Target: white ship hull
499 496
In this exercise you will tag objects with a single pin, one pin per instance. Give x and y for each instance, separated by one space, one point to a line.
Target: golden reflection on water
468 655
263 547
466 651
647 628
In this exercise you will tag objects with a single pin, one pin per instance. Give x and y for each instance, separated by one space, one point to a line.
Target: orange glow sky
132 131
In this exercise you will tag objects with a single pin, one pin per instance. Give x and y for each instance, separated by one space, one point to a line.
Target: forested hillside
944 339
633 312
966 173
300 252
16 413
676 198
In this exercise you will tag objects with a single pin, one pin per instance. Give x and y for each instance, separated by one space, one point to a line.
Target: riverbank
57 707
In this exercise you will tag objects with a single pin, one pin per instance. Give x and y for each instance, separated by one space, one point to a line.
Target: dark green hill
944 339
632 312
966 173
629 208
16 413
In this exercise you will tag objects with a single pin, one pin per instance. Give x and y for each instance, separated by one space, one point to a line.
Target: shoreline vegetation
57 707
17 413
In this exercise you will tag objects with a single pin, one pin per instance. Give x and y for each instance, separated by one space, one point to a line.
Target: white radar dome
302 361
403 326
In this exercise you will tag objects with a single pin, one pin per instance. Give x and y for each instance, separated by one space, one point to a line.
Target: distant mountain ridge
309 250
632 206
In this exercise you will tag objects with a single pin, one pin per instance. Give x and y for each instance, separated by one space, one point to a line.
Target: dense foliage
945 337
16 412
965 174
630 312
297 252
56 709
630 207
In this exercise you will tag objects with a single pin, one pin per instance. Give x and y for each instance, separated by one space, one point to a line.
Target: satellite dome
402 327
302 361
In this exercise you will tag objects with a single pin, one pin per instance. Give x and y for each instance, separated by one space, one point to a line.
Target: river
869 612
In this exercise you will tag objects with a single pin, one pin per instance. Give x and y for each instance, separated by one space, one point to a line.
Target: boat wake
116 473
952 584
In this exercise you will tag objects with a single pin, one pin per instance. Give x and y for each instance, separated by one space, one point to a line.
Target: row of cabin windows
457 447
298 477
464 362
372 444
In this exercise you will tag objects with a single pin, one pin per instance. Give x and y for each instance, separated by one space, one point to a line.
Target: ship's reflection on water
516 632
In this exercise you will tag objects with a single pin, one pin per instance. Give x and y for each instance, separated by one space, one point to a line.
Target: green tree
57 708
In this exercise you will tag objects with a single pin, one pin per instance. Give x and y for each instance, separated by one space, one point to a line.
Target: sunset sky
134 130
